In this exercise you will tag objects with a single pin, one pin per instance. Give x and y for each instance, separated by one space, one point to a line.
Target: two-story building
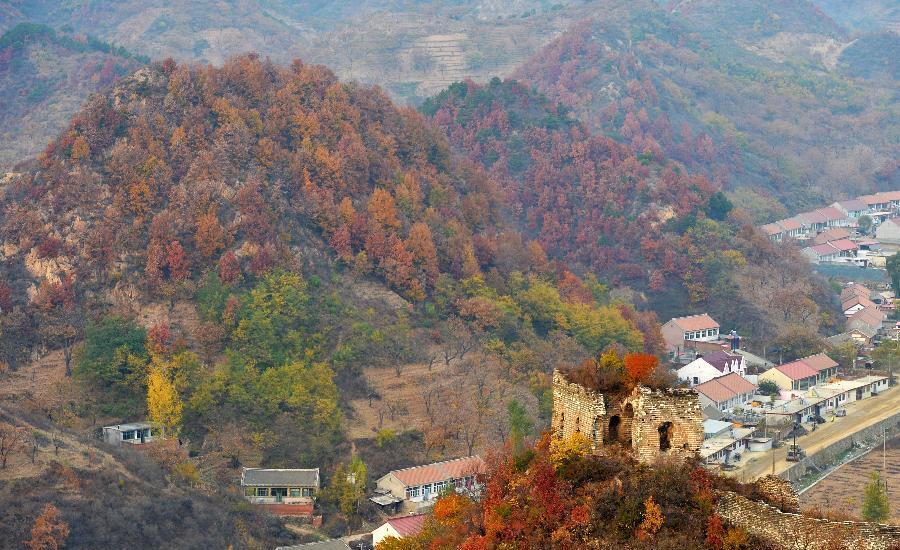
678 332
287 492
418 487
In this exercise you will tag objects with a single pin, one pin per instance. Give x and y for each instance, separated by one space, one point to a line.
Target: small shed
134 433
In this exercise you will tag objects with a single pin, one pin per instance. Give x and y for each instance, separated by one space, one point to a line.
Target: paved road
860 415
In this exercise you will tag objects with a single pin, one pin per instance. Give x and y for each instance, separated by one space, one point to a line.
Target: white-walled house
418 487
712 365
134 433
398 528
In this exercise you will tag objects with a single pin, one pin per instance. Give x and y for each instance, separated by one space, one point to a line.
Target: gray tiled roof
263 477
334 544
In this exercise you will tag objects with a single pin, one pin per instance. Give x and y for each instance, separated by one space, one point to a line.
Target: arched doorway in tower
612 433
665 430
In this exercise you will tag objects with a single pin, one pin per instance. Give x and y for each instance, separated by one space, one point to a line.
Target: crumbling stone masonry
779 493
654 423
798 532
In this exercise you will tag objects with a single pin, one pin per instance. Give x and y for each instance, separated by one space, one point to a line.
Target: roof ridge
435 463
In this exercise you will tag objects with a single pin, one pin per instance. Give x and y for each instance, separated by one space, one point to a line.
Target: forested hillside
214 247
45 76
631 215
749 93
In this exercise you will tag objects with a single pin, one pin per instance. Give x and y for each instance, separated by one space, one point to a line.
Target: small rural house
855 303
852 208
845 247
419 486
855 290
405 526
816 220
832 234
726 392
791 376
134 433
773 231
859 336
713 365
287 492
680 330
825 366
870 318
821 253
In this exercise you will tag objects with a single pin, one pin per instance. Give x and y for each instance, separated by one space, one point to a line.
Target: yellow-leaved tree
163 402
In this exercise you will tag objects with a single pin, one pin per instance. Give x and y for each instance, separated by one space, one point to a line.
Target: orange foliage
49 532
640 367
210 237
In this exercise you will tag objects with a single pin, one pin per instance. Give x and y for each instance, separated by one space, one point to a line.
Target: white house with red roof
712 365
803 373
419 486
398 528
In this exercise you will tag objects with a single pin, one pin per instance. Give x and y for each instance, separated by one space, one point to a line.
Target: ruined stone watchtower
653 423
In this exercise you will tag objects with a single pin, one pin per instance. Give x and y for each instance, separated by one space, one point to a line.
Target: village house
825 366
727 392
869 318
726 447
852 208
856 303
816 220
875 204
820 253
860 336
134 433
794 228
773 231
845 247
712 365
832 234
286 492
419 486
820 400
834 217
405 526
791 376
855 290
888 232
680 330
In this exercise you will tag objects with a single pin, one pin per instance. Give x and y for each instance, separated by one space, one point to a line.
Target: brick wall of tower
654 408
576 408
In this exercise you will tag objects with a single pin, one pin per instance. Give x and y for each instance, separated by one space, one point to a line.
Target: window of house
696 380
458 482
470 481
262 491
426 490
295 491
439 486
128 435
307 491
412 492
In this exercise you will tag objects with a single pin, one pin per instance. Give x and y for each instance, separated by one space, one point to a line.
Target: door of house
279 493
426 491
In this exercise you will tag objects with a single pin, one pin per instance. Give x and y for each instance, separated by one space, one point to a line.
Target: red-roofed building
419 486
852 208
773 231
726 392
831 234
676 332
869 317
856 303
834 217
822 364
796 375
845 247
821 253
855 290
405 526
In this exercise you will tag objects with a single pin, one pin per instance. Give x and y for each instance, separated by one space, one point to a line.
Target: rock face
654 423
798 532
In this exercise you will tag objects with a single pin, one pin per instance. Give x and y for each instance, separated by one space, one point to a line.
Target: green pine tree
876 506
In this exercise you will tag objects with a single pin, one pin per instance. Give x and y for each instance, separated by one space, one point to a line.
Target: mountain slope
748 100
45 76
636 218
